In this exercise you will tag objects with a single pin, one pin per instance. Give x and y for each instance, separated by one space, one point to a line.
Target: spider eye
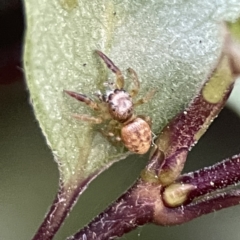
110 97
117 90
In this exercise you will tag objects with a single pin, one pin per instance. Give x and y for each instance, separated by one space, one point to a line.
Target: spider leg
114 139
83 98
145 99
100 96
112 132
113 68
136 82
83 117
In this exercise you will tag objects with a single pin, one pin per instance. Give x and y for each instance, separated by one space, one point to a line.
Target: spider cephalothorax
118 104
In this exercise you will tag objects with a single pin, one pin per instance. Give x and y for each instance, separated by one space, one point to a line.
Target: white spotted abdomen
136 136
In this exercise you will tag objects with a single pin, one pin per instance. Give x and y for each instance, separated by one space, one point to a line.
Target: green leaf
172 47
234 99
234 27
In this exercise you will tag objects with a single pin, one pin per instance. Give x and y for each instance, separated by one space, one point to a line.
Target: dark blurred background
29 176
11 36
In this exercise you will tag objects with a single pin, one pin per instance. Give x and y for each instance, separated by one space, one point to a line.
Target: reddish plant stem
56 214
183 132
143 204
209 179
184 126
134 208
186 213
60 208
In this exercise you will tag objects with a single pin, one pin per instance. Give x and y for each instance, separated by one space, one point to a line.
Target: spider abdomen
136 136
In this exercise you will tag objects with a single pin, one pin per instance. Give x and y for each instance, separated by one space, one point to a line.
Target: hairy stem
134 208
143 204
60 208
185 213
209 179
183 132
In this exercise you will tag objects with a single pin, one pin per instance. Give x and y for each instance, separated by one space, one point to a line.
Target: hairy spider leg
145 99
93 105
111 136
134 92
86 118
83 98
99 95
113 68
112 132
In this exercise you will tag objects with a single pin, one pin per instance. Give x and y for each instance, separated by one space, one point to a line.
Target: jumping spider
117 106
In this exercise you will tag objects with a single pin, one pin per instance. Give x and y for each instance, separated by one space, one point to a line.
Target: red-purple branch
185 213
143 204
59 209
133 209
209 179
183 132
